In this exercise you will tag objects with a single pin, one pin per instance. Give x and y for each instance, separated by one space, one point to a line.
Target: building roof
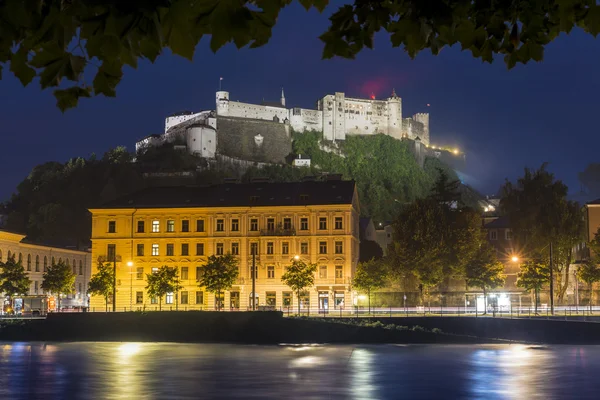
272 104
595 202
240 195
363 222
500 222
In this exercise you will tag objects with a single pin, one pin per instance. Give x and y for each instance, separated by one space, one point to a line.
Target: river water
210 371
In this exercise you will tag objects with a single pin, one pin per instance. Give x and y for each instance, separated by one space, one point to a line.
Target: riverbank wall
534 330
213 327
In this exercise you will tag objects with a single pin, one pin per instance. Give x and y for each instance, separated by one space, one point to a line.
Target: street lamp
514 259
130 265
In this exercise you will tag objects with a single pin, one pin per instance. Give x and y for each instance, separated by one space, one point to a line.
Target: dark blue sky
504 120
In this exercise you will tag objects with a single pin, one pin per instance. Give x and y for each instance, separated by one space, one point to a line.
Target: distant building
182 226
37 258
384 232
367 229
302 161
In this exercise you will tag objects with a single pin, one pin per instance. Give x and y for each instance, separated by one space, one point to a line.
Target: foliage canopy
58 279
13 278
219 274
299 275
370 275
102 282
539 214
164 280
59 40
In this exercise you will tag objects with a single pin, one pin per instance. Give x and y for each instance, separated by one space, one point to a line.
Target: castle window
219 249
155 226
185 249
235 249
270 224
338 248
170 249
199 249
155 251
199 225
269 247
185 225
235 225
220 225
140 226
140 250
112 226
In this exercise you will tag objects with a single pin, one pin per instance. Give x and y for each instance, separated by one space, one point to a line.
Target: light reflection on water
211 371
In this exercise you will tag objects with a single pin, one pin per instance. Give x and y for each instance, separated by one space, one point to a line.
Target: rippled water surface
200 371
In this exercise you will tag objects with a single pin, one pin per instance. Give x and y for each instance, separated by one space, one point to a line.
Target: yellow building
36 258
182 226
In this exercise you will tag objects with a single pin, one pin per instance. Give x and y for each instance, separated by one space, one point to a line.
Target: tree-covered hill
50 205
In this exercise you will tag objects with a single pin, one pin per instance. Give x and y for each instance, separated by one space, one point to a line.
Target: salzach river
200 371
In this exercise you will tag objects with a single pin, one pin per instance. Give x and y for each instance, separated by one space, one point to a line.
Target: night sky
504 120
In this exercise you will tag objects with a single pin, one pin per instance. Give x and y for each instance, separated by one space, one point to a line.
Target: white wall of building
201 141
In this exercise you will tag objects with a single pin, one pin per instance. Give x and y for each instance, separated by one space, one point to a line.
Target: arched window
8 258
53 262
37 263
21 258
28 262
80 268
66 261
45 263
59 260
0 255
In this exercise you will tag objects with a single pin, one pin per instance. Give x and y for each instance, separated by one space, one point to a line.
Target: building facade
181 227
37 258
336 115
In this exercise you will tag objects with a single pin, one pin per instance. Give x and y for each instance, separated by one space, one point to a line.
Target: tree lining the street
64 43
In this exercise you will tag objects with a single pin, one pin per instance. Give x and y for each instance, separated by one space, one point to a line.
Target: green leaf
592 20
69 98
465 34
19 67
108 77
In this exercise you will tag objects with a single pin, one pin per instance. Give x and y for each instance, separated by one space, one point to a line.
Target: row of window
508 235
184 272
234 225
234 298
37 262
37 286
220 249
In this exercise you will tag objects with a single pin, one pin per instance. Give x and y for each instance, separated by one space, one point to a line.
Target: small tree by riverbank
533 275
485 271
370 275
299 276
13 278
101 283
219 274
59 280
164 280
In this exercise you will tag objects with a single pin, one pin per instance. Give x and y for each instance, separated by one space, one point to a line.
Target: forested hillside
50 205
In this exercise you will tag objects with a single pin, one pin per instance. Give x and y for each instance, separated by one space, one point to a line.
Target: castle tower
282 98
424 119
394 115
222 101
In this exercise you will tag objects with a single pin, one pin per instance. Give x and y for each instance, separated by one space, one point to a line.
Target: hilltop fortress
262 132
